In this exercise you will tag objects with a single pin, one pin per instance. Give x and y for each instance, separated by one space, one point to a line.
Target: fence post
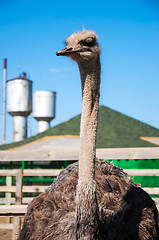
8 194
18 201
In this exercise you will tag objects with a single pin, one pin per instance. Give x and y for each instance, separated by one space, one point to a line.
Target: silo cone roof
115 130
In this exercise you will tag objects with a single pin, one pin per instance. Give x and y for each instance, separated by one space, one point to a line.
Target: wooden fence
19 189
20 206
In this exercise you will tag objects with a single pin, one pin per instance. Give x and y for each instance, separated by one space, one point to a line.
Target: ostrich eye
89 42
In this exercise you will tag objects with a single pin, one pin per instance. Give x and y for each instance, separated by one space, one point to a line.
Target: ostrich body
92 199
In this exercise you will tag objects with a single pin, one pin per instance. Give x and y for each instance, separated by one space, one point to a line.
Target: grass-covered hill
115 130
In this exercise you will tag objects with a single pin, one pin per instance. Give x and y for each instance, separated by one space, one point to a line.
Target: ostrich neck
86 200
90 79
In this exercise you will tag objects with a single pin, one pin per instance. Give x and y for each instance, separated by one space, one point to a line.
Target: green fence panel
145 181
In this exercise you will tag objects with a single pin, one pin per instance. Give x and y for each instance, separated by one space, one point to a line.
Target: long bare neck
86 206
90 78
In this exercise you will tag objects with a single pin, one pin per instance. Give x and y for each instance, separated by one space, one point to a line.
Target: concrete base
43 125
19 128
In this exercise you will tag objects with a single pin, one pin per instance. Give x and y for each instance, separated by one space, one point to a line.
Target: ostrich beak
64 51
68 50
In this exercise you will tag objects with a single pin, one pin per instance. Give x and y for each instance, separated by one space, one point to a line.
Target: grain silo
19 104
44 103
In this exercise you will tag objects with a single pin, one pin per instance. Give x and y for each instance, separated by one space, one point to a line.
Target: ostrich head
81 46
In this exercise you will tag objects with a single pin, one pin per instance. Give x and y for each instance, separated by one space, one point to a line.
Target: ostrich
92 199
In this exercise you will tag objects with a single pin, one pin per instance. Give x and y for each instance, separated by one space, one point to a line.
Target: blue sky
32 31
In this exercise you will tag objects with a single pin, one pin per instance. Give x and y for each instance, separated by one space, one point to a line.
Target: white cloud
57 70
54 70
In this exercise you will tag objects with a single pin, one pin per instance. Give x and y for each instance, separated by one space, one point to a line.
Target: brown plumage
95 200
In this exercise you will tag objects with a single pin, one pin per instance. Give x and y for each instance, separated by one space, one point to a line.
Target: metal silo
44 103
19 104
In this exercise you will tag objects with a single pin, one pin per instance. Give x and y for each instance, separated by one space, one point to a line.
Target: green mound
115 130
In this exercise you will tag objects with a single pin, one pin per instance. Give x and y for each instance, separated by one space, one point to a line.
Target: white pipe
43 125
4 102
19 128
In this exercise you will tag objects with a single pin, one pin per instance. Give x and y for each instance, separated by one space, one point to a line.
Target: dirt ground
5 234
